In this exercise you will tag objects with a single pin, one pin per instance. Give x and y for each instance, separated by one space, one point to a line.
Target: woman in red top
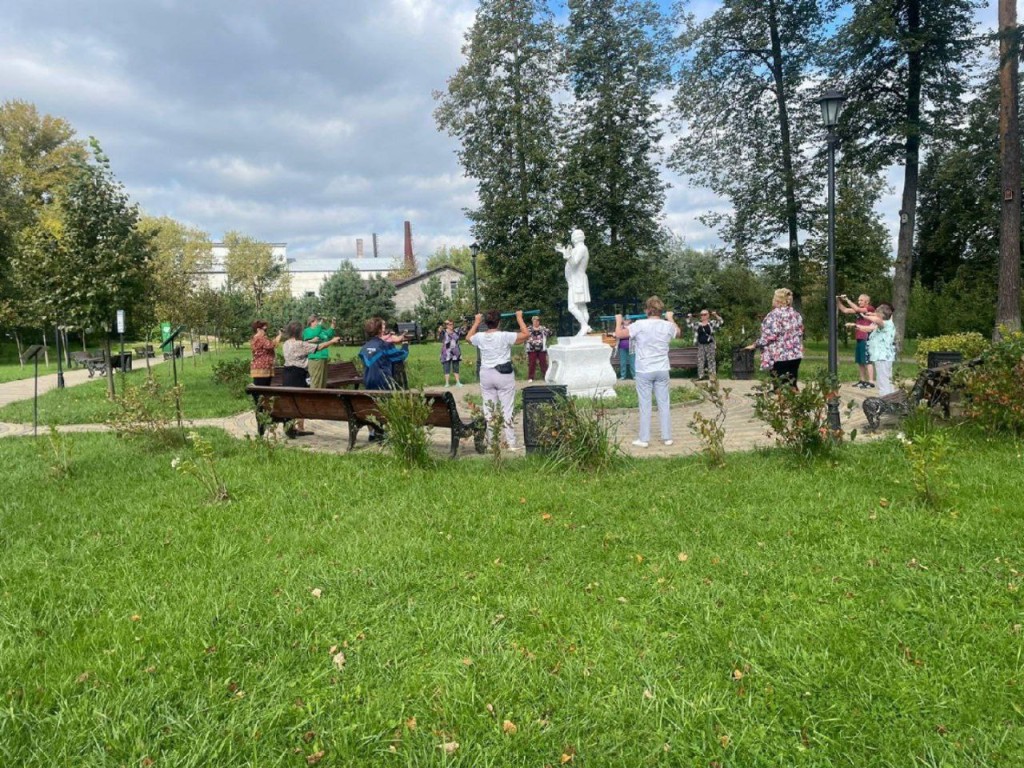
262 368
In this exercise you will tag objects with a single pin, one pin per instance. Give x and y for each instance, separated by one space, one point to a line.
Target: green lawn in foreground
763 615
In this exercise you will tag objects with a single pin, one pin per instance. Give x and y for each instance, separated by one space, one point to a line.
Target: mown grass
765 615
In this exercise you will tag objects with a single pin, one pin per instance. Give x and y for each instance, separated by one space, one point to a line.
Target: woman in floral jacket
782 339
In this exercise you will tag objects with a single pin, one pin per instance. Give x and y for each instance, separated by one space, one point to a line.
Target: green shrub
711 429
993 394
145 410
234 374
798 419
406 434
968 344
578 434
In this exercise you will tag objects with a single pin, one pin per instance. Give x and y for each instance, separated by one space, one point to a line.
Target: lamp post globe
831 107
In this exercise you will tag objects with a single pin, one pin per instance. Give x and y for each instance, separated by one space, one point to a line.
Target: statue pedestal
583 364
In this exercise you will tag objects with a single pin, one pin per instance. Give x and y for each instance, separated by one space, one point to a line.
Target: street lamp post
831 105
474 250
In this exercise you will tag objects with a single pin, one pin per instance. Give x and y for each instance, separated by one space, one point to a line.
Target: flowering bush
993 394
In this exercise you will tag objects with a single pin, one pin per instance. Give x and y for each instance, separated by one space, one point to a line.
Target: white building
218 276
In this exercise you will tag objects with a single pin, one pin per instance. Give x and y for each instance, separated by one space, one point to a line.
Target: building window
452 287
310 294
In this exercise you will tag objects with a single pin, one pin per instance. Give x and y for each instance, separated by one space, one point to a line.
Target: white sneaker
529 381
667 442
458 384
640 444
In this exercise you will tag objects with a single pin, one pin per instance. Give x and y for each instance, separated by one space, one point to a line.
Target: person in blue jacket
378 356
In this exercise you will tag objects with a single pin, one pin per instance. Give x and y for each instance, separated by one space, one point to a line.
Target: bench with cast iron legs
933 386
679 358
359 408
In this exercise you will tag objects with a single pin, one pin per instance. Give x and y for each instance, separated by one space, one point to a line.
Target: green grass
140 622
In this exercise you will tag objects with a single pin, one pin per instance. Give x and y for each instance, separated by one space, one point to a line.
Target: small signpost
32 353
120 332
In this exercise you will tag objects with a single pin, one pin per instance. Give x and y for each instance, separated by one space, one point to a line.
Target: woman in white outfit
651 337
497 378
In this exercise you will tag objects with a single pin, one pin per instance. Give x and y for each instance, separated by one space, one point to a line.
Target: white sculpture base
583 364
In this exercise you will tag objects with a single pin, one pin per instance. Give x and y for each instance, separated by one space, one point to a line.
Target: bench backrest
342 372
342 404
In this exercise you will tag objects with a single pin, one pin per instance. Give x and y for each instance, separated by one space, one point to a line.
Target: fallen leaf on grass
683 557
136 617
737 674
883 503
449 747
308 736
724 739
546 516
648 694
566 757
316 592
339 660
490 709
467 662
623 600
315 758
410 724
146 762
509 728
82 677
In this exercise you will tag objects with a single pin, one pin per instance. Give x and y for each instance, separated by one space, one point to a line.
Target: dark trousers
261 381
535 358
785 372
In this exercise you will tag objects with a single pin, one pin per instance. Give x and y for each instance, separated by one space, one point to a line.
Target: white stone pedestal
583 364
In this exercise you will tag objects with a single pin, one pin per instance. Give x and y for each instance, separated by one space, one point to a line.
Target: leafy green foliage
253 269
500 107
711 429
233 374
797 418
970 345
146 409
350 300
927 450
993 395
181 258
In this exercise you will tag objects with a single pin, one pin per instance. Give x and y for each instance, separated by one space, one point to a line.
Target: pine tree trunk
1008 304
903 272
778 73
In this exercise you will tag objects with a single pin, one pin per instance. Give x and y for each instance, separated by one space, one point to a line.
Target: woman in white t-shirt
651 337
497 378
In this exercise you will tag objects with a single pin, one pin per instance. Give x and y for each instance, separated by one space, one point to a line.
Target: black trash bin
533 398
742 363
935 359
121 361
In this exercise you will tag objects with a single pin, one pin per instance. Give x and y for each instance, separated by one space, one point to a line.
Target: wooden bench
359 409
679 358
340 375
146 351
932 386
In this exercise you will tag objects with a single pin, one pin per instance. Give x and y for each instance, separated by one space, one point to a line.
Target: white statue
576 258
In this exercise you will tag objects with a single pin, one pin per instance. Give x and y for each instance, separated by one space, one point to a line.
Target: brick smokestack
375 252
410 260
359 247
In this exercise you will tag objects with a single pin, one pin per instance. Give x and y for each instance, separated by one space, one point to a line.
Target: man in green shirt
316 332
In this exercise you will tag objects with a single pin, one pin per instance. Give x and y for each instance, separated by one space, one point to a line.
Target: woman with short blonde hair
782 339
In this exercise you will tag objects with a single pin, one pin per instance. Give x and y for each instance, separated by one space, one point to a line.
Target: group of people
642 345
305 349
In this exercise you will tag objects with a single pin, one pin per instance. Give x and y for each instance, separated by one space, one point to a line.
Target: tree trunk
110 371
903 271
1008 305
17 342
778 73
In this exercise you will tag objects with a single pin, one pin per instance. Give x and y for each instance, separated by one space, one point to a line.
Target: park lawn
768 614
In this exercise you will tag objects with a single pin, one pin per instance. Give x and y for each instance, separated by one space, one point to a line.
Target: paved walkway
743 431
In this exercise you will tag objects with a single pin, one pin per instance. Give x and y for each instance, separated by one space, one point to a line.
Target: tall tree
499 105
39 156
904 65
182 258
253 269
617 61
88 259
743 96
1008 305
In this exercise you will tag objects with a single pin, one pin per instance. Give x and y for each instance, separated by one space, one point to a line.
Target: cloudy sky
304 121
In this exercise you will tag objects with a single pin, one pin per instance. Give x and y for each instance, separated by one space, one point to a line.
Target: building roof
426 275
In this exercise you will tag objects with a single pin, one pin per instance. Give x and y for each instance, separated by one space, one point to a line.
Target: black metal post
60 358
476 306
834 422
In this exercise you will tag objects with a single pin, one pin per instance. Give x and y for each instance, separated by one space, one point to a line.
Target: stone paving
743 431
